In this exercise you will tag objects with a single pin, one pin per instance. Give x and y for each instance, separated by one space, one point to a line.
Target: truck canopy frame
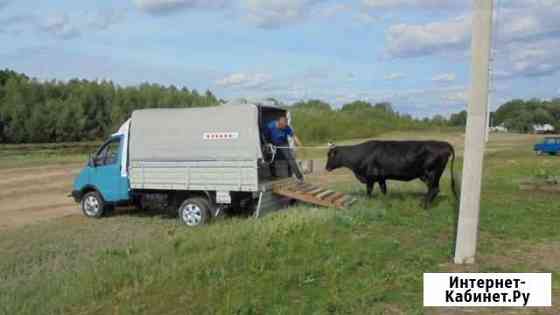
221 133
210 148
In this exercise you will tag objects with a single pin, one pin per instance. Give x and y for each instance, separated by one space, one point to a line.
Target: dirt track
32 194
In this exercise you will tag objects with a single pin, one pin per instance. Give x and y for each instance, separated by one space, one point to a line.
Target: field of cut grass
23 155
365 260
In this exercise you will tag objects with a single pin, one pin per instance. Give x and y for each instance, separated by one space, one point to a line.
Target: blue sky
413 53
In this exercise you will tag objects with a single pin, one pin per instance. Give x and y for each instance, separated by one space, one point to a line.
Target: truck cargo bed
199 175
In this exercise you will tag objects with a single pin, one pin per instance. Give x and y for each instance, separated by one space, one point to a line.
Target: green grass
27 155
365 260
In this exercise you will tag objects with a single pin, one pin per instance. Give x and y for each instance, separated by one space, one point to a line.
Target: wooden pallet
314 194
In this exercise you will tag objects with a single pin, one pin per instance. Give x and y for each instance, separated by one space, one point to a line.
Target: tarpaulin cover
221 133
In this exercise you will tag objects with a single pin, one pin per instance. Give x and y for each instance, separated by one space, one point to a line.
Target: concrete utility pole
488 121
467 229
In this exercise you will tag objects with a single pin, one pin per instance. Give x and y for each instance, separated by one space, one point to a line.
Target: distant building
499 128
546 128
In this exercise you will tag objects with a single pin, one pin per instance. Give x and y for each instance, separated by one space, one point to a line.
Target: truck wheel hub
91 205
192 215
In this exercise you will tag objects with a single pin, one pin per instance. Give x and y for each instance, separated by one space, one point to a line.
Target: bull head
332 160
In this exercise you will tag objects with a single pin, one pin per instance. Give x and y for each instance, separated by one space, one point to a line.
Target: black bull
378 161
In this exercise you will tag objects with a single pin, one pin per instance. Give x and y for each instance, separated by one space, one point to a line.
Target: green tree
459 119
312 105
356 106
40 111
384 106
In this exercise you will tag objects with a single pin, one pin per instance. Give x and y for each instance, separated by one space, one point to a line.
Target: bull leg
383 186
427 179
430 196
433 188
369 187
426 201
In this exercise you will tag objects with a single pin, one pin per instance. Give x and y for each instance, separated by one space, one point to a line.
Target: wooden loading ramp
313 194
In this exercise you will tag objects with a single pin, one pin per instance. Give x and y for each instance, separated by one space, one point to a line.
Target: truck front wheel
194 211
92 204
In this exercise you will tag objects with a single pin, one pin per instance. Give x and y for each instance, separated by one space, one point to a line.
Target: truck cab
100 184
550 145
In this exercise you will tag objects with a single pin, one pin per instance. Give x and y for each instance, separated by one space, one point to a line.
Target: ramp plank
314 194
335 197
325 194
316 191
310 188
342 200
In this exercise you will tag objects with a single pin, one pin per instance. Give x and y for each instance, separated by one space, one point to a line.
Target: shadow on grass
172 215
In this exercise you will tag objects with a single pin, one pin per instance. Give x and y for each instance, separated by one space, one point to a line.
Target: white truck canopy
221 133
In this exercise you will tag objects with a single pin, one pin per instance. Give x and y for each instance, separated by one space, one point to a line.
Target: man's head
282 122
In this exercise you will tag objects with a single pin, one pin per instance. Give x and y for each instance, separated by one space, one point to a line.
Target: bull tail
453 185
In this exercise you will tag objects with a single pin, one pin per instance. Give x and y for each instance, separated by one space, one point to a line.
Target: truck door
106 173
549 145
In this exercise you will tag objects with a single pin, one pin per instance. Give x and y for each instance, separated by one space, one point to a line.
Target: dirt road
32 194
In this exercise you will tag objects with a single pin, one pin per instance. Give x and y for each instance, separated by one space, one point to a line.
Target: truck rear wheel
92 204
194 211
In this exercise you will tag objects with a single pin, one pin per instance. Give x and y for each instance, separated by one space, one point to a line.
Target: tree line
318 121
79 110
519 115
33 111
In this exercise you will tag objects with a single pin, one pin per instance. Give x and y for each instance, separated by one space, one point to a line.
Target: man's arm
296 140
293 135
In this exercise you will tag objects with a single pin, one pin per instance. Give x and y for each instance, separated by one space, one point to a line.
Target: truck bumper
76 194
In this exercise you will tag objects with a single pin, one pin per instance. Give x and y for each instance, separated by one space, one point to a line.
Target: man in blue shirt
278 132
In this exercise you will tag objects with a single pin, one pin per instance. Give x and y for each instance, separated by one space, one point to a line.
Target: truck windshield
108 153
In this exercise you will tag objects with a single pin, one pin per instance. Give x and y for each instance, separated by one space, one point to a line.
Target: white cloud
456 96
394 76
366 18
16 24
444 77
421 101
263 13
333 10
275 13
526 20
415 4
59 25
315 73
62 25
405 40
104 19
530 59
170 6
244 80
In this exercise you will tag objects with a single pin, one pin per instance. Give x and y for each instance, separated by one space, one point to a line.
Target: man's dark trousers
284 153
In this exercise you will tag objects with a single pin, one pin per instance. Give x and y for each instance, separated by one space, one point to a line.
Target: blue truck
549 145
198 162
